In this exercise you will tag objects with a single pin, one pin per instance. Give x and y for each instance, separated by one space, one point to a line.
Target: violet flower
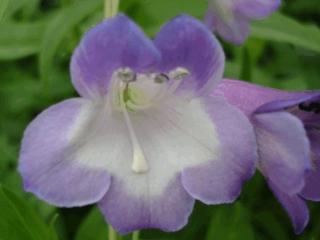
145 139
287 126
231 18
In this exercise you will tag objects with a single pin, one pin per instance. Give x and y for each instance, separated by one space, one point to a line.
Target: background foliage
37 38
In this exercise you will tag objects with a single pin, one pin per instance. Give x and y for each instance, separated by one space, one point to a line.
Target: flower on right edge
231 18
287 127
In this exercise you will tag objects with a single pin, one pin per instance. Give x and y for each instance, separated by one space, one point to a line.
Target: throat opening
132 92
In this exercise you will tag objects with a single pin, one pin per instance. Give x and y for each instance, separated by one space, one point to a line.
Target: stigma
132 92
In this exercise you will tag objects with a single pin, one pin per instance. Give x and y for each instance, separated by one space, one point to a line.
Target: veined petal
186 42
256 9
283 150
295 207
46 162
220 180
114 43
311 189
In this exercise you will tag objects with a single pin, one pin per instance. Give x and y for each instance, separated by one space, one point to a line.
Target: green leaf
3 7
230 222
52 231
93 227
19 40
25 7
246 72
281 28
19 221
59 27
271 226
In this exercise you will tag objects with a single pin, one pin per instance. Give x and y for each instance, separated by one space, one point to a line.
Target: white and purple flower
287 126
231 18
145 139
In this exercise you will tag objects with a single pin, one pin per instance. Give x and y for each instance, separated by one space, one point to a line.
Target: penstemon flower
145 139
231 18
287 126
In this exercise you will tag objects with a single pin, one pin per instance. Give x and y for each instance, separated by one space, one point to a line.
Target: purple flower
145 139
287 126
231 18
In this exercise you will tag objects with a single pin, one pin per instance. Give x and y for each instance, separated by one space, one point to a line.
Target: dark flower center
310 107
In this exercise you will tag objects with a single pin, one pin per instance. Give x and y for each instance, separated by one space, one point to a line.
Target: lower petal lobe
311 190
126 212
295 207
46 165
220 180
283 150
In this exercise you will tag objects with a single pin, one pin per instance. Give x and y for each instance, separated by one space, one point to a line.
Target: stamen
139 164
126 75
179 73
161 78
176 75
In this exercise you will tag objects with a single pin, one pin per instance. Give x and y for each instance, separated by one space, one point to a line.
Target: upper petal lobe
186 42
112 44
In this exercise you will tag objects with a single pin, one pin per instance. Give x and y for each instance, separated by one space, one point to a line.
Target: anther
161 78
179 73
127 75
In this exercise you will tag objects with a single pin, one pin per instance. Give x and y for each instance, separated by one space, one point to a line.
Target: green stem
136 235
111 8
112 234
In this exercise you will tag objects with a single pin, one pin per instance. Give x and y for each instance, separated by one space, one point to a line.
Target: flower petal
252 98
293 100
234 30
295 207
256 9
127 212
186 42
46 165
311 189
114 43
220 180
249 97
231 19
283 150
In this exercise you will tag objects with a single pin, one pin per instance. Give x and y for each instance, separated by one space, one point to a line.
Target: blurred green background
37 38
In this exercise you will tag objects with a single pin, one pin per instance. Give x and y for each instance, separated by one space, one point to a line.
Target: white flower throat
137 92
